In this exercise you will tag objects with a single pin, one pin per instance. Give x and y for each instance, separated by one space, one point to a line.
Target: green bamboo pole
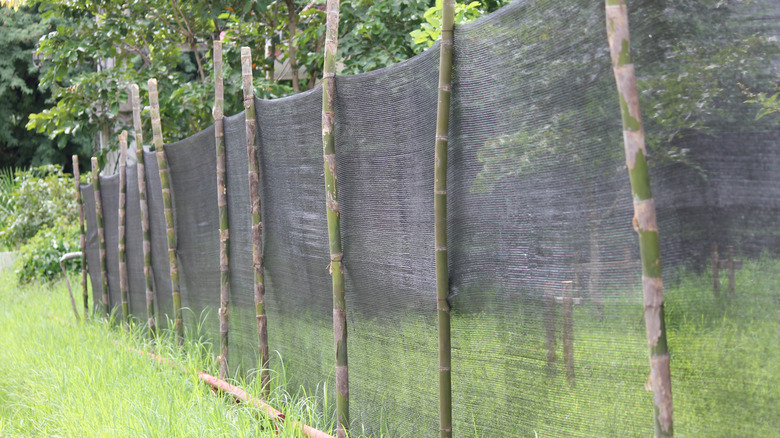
334 222
440 220
644 214
257 219
82 235
101 234
147 241
224 230
162 163
122 226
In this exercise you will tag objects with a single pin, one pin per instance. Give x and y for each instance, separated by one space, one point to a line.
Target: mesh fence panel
547 309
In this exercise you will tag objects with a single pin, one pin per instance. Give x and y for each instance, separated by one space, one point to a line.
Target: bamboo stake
162 163
224 232
334 221
550 331
440 221
101 234
122 226
567 311
644 221
147 244
715 271
82 235
257 220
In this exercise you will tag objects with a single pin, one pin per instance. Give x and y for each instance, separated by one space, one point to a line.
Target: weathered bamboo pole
715 271
440 221
147 243
101 234
567 312
162 163
550 331
257 219
82 235
122 227
224 230
644 221
334 220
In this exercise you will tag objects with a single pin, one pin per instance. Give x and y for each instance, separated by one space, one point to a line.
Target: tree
20 95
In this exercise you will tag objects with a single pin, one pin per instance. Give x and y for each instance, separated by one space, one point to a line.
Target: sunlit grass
61 378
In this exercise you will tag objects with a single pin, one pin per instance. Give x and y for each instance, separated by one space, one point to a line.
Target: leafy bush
40 256
38 198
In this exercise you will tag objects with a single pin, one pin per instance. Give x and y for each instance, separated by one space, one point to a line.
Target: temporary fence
549 335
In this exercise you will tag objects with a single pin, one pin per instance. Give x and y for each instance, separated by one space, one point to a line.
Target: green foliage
20 94
39 198
39 257
770 103
430 30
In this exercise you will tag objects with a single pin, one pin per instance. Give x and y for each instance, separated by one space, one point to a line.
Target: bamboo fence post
731 269
257 219
334 221
122 227
715 271
162 163
440 213
224 231
101 234
645 222
549 330
567 311
147 244
82 235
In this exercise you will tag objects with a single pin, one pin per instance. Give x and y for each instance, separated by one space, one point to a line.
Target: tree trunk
224 229
644 221
122 227
257 219
334 220
82 235
101 234
162 163
292 29
440 221
147 244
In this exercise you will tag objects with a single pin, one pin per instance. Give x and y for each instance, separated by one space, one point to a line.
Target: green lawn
63 379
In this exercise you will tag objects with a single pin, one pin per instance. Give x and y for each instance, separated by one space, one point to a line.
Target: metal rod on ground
568 329
144 207
334 222
82 234
101 234
224 230
242 395
63 259
162 163
257 219
645 222
122 227
440 213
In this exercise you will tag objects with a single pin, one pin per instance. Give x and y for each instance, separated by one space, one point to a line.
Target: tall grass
60 378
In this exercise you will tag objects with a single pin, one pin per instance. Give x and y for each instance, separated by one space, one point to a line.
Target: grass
59 378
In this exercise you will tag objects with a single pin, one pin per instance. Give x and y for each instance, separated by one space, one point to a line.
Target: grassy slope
60 379
74 381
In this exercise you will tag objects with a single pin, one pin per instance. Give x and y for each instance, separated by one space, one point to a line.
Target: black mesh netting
539 208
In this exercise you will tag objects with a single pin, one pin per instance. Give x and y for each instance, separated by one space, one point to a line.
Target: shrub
38 198
40 256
